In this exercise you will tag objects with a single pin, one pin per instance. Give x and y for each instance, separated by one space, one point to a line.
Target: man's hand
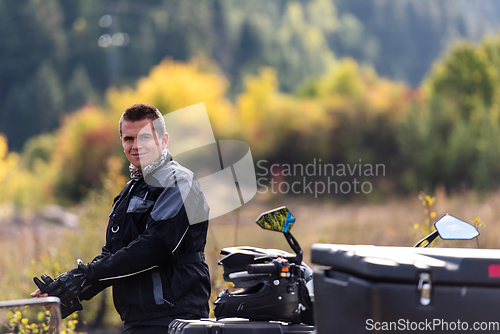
46 287
67 307
66 286
39 294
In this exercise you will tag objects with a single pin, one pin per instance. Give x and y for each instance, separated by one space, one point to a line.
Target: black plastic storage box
236 326
376 289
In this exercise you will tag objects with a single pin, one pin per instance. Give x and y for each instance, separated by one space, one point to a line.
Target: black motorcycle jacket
153 256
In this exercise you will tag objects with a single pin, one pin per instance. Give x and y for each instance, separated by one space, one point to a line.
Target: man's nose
137 143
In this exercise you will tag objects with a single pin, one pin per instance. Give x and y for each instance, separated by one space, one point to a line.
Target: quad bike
276 287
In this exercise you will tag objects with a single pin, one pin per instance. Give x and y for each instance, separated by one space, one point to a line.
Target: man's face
141 143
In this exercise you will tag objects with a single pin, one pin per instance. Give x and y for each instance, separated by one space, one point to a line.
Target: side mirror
280 220
450 227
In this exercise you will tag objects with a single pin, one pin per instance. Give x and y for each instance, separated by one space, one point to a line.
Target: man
155 238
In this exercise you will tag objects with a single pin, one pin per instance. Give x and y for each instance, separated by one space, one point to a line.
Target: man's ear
164 140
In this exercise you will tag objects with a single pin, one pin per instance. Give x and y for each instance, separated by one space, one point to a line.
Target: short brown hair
140 111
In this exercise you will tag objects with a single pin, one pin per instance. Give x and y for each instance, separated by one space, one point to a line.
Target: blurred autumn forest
412 85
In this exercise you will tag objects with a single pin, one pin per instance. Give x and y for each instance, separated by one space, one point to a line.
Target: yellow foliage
24 189
173 85
260 96
8 161
343 79
260 108
349 87
267 117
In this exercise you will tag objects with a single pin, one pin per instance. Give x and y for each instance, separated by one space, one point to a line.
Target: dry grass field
383 223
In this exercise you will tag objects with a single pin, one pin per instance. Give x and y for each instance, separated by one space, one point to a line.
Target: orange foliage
86 141
387 97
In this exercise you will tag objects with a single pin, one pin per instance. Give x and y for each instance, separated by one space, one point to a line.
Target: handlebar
263 268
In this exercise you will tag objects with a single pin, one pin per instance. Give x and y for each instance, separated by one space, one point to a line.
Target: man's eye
145 137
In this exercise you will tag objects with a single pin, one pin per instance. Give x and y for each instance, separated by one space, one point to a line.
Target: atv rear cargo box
378 289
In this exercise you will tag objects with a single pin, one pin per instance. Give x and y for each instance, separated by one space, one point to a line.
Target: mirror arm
295 246
428 239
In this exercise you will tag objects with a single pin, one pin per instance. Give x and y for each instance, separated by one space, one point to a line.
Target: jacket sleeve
167 225
98 286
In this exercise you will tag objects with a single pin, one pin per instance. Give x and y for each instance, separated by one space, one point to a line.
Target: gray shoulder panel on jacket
180 188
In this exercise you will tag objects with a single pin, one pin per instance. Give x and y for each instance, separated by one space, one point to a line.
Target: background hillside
55 56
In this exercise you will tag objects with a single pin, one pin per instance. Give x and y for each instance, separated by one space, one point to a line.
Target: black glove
55 288
47 285
70 307
67 286
71 283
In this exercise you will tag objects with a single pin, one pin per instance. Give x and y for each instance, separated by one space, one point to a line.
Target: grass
29 246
